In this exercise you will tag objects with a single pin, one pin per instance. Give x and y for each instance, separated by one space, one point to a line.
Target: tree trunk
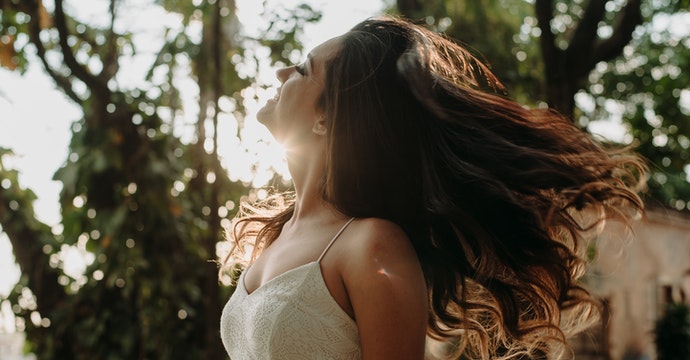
28 237
567 69
409 8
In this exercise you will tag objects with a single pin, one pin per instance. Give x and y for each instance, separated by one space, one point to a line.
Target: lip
277 95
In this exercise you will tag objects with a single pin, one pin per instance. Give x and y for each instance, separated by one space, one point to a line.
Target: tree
648 83
491 29
602 51
569 42
146 205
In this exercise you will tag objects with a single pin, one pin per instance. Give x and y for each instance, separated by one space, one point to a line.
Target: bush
672 333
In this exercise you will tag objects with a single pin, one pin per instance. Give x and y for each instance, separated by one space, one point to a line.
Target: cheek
300 105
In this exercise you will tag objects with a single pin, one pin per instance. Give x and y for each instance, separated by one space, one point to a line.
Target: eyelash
301 69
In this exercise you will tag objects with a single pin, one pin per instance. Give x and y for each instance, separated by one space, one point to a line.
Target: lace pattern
292 316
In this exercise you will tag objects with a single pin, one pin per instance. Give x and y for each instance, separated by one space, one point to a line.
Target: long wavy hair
495 197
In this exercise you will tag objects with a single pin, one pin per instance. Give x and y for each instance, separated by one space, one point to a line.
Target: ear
319 127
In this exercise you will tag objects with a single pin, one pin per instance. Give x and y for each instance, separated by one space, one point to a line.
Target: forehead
325 51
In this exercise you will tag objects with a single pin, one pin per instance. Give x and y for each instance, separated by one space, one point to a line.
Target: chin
266 120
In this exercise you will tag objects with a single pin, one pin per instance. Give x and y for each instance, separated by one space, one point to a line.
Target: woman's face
292 116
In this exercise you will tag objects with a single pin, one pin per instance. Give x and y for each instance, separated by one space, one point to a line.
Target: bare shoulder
372 238
386 289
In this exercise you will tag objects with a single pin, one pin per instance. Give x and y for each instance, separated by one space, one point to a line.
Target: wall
636 276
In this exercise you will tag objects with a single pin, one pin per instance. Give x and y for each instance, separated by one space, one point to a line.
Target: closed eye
301 69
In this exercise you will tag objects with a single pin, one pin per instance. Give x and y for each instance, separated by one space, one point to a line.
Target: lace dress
292 316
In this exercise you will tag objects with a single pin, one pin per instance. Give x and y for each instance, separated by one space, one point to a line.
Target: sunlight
9 270
251 158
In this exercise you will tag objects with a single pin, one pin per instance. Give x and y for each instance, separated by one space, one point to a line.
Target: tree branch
626 22
110 63
75 67
34 34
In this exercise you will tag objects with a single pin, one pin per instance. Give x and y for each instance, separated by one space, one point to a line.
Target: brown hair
490 193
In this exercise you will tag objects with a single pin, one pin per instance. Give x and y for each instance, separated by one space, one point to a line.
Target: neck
308 168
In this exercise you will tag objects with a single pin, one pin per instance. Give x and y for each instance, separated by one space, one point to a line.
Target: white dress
292 316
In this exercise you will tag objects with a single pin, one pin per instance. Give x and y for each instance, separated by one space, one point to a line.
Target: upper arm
386 289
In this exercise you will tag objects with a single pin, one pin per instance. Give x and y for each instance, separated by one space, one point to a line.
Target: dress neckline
317 262
277 277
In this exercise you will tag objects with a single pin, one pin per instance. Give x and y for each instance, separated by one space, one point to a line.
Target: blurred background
128 137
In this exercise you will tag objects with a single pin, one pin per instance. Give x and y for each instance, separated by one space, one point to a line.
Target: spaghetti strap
333 240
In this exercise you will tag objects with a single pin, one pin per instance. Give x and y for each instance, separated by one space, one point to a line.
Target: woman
423 204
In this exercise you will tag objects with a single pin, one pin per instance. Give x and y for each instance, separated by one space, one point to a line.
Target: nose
284 73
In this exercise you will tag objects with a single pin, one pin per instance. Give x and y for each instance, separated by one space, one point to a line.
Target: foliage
144 206
606 52
491 29
672 333
647 83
